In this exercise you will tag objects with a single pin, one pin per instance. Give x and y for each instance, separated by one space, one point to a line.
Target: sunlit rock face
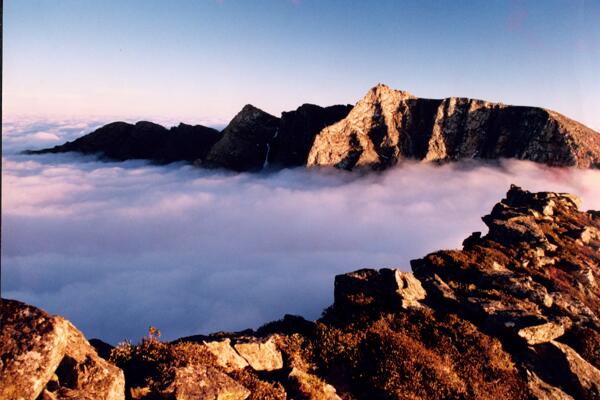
46 356
390 125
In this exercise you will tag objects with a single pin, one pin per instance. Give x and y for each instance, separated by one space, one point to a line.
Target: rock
261 355
542 333
144 140
389 125
297 132
102 348
226 356
436 285
245 141
33 344
83 371
369 286
41 352
199 382
311 387
541 390
587 234
586 374
516 230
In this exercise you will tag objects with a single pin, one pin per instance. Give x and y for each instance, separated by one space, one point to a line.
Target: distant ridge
385 127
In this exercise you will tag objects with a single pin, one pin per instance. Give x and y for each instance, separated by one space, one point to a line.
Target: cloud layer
117 247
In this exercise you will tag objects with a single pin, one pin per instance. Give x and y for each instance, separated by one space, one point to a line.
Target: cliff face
389 125
513 315
297 132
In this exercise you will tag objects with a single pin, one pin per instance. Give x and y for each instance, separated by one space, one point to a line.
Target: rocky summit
382 129
514 314
388 125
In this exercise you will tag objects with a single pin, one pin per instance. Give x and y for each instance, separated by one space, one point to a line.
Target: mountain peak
382 91
389 125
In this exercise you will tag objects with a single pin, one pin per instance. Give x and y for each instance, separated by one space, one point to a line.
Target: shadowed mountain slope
143 140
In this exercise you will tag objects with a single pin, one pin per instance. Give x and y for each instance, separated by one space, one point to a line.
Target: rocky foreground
513 315
385 127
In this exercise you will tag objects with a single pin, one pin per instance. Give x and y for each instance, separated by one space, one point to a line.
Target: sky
202 60
116 247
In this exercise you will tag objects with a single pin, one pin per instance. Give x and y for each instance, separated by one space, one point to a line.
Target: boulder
226 356
44 353
541 333
201 382
32 346
541 390
384 286
261 354
582 371
311 387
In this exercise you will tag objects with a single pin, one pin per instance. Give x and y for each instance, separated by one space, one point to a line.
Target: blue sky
202 60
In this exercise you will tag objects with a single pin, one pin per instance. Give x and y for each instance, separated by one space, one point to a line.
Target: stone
226 356
588 234
311 387
32 345
516 230
83 371
541 390
261 355
586 374
43 352
542 333
368 286
201 382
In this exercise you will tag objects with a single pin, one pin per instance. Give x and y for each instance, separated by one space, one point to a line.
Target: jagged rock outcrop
245 142
297 131
143 140
388 125
46 356
514 314
385 287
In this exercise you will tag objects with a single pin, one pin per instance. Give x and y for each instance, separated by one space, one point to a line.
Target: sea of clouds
117 247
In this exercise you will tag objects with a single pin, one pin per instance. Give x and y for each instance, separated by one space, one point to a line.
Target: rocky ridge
144 140
385 127
513 314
